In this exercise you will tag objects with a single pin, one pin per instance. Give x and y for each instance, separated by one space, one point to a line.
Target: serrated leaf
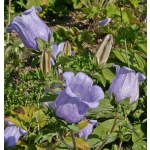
22 114
40 117
15 121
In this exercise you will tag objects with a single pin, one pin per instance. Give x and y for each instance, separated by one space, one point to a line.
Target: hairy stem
73 138
120 144
62 139
47 86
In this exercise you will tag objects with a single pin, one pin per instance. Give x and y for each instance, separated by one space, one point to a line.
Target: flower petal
81 84
93 96
69 77
69 106
12 134
104 22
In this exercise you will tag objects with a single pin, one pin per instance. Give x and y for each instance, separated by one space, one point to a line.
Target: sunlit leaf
132 18
36 3
82 124
15 121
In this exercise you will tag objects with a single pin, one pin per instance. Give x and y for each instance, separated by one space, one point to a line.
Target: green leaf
135 3
141 130
15 121
100 78
140 61
35 61
27 146
120 54
104 128
51 2
48 97
73 128
140 145
79 142
132 18
36 3
41 118
108 74
143 48
93 140
112 9
42 45
125 102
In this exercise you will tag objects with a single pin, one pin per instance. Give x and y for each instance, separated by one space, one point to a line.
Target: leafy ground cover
73 50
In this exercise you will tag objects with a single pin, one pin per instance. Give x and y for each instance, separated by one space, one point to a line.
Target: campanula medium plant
29 26
12 134
78 96
126 84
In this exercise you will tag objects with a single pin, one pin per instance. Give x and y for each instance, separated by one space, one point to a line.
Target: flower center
78 94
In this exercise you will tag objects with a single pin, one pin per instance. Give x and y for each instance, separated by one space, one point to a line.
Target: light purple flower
104 22
88 129
12 134
29 26
126 84
78 96
56 49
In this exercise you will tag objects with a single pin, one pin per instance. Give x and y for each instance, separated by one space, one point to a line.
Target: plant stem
113 127
47 86
9 7
73 139
125 43
120 144
65 142
59 78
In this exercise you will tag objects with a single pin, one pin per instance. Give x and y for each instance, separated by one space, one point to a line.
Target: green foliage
76 37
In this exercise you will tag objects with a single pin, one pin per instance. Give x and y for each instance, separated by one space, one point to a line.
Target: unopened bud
104 49
67 49
45 64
